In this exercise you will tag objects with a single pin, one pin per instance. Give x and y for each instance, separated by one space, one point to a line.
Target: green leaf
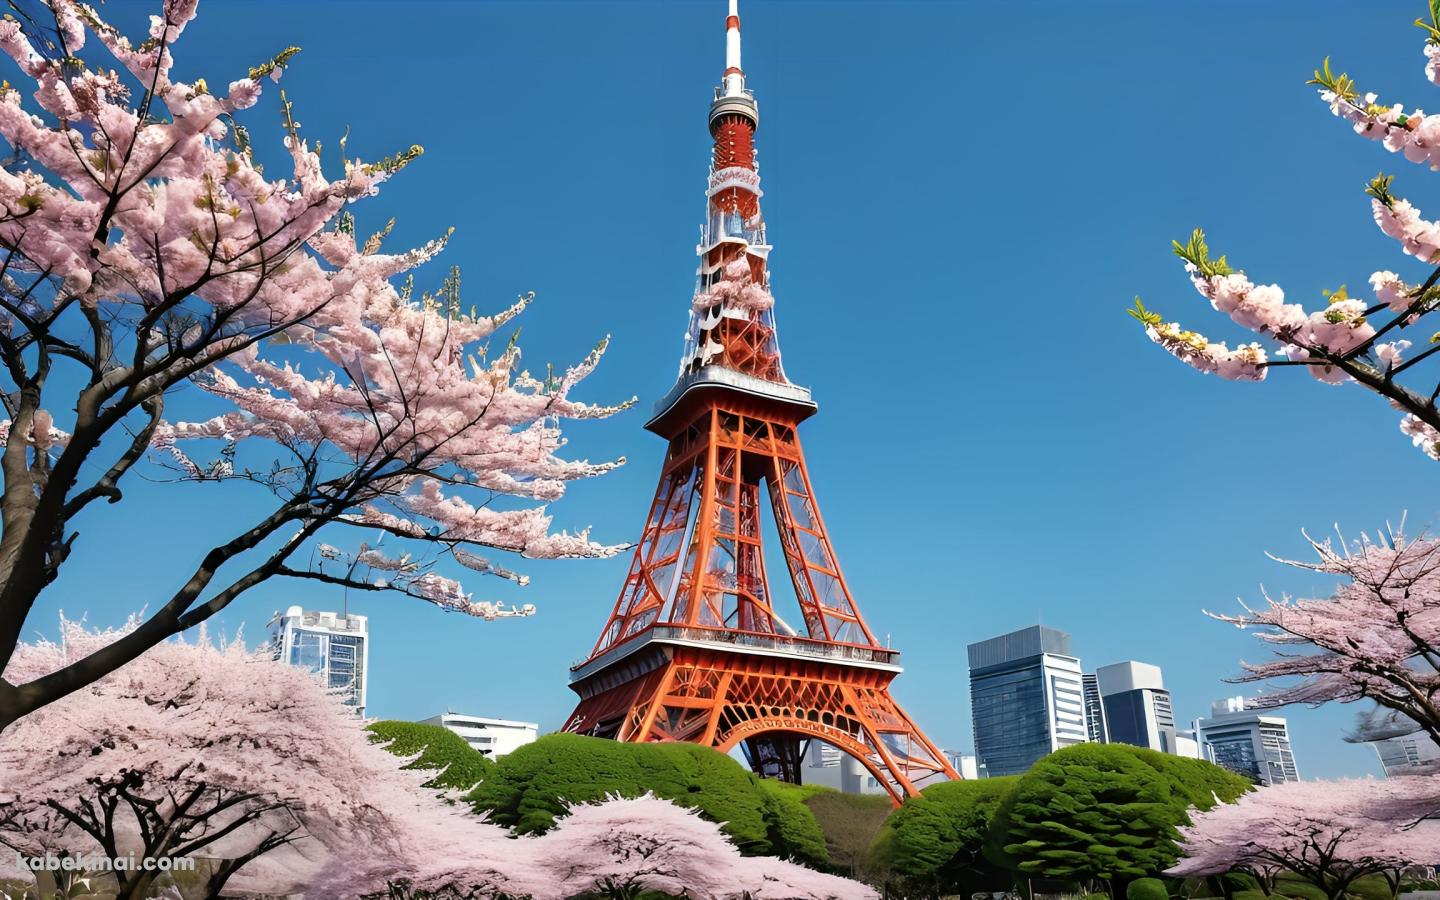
1342 85
1379 188
1432 26
1144 316
1197 253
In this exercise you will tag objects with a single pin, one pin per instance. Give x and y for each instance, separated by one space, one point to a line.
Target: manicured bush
1197 781
1146 889
1091 811
792 823
533 785
439 748
938 837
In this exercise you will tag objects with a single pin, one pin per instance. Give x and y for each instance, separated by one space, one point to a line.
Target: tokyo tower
698 648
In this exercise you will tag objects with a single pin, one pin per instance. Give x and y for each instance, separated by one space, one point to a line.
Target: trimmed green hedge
1146 889
532 786
791 823
439 748
1106 811
937 838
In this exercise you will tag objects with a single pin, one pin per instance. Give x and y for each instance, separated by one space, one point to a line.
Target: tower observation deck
697 648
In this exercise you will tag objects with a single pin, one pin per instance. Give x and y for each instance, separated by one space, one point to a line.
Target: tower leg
776 755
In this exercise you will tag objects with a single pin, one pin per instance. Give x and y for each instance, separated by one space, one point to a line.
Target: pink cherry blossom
1327 832
147 252
1377 637
625 845
210 750
1348 340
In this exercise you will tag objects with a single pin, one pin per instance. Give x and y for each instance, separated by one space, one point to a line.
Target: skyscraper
1244 741
1026 697
1137 706
334 644
1408 754
1095 725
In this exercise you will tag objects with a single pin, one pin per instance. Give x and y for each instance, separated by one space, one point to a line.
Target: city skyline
888 542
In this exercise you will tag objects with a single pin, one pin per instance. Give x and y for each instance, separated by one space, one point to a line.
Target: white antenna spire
734 75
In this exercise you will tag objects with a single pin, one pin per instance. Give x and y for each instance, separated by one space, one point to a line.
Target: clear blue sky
963 198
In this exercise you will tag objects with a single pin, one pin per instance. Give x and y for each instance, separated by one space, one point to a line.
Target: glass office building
1026 697
334 644
1244 741
1410 754
1137 706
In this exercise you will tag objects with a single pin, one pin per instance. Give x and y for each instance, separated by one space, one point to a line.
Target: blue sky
963 198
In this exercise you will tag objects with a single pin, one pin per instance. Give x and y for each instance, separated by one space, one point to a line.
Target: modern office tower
1094 710
1408 754
1245 741
334 644
967 765
830 767
1137 706
1026 697
1187 746
492 737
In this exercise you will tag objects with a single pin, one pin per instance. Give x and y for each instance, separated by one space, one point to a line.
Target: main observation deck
714 377
747 642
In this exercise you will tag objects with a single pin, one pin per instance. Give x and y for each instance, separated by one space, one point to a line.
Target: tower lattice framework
697 647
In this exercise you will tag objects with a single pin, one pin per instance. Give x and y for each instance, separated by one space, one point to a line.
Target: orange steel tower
697 648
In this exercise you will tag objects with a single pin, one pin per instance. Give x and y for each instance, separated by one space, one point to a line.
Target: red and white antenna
734 75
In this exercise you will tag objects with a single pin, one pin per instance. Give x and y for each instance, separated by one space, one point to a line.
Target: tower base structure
768 694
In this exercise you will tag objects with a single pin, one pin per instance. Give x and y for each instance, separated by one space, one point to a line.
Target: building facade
1136 706
828 766
1095 725
492 737
1187 746
1026 697
336 645
966 764
1244 741
1408 755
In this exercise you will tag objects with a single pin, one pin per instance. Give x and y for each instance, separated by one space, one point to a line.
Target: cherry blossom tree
622 847
1377 637
1330 833
208 750
1350 339
144 249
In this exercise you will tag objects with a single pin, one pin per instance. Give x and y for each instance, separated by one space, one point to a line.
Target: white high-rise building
334 644
492 737
1026 697
1187 746
1244 741
1408 754
1137 706
833 768
968 766
1094 710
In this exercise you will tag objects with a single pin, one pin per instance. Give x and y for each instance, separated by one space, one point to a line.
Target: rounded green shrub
1146 889
534 785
